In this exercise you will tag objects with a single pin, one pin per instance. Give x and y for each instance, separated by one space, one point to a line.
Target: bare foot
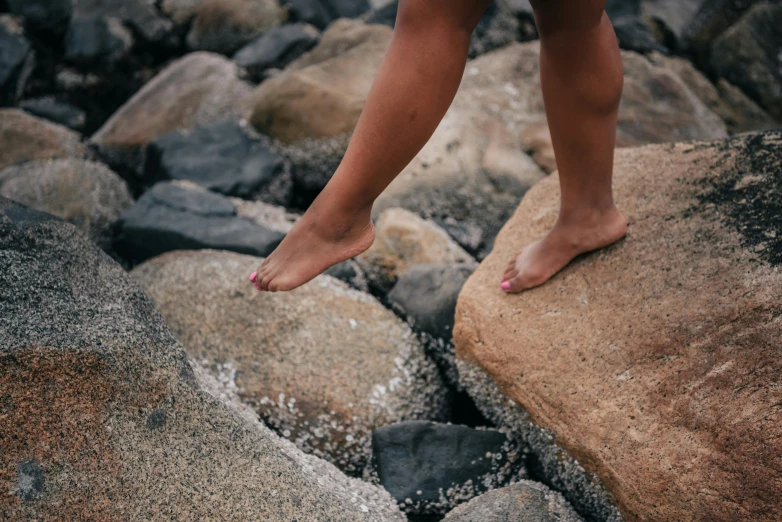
539 261
325 235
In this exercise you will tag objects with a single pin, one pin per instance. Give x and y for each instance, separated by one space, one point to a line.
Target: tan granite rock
223 26
26 137
323 365
655 362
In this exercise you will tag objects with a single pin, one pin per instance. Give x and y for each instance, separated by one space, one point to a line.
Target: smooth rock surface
97 41
62 113
84 193
223 26
653 362
17 59
324 364
430 468
749 56
525 501
140 15
322 93
195 90
103 418
404 240
25 138
223 157
276 48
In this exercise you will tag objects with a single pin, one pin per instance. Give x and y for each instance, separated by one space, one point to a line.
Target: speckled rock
426 296
404 240
525 501
740 113
184 216
25 138
748 55
322 93
195 90
103 418
84 193
430 468
653 362
16 60
223 26
324 364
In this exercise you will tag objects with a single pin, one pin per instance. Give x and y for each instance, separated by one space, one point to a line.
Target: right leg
416 84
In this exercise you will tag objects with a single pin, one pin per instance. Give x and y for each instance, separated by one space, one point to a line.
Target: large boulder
84 193
654 362
748 55
324 365
25 137
17 59
276 48
525 501
223 157
195 90
429 468
322 93
183 216
104 419
404 240
223 26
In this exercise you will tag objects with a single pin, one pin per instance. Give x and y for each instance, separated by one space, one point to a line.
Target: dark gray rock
321 13
349 272
50 15
49 108
469 235
670 17
171 217
104 419
222 157
141 15
749 55
17 59
709 21
426 295
617 9
276 48
497 28
430 468
97 41
524 501
635 35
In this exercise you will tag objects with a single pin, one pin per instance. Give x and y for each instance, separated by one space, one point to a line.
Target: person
581 78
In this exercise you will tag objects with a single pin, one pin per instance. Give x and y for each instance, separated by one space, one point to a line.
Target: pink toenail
253 276
505 285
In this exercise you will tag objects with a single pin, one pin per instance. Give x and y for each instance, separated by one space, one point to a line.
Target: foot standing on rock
581 76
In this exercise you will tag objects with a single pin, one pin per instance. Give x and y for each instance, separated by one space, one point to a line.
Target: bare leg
581 76
416 84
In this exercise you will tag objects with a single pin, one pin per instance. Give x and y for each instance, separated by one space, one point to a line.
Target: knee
450 15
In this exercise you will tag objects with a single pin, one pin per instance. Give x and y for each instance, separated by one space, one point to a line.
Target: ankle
581 216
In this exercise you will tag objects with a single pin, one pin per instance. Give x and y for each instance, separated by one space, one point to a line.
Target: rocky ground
152 152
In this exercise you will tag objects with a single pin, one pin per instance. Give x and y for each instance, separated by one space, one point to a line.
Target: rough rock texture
324 364
740 113
673 15
430 468
25 137
40 15
404 240
276 48
17 59
426 296
97 41
140 15
748 55
223 26
711 19
195 90
474 168
183 216
49 108
223 157
654 362
525 501
84 193
322 93
103 418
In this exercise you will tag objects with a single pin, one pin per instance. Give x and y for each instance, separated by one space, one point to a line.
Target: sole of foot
540 261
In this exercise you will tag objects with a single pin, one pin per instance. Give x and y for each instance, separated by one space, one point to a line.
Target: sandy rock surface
26 137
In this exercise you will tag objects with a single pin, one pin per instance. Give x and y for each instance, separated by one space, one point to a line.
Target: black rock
347 8
16 60
141 15
97 41
635 35
349 272
617 9
221 157
276 48
429 467
50 15
169 217
321 13
49 108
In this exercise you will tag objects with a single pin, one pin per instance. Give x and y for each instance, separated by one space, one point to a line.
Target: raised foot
540 261
315 243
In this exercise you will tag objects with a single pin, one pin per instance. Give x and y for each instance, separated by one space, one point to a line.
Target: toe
264 285
510 273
